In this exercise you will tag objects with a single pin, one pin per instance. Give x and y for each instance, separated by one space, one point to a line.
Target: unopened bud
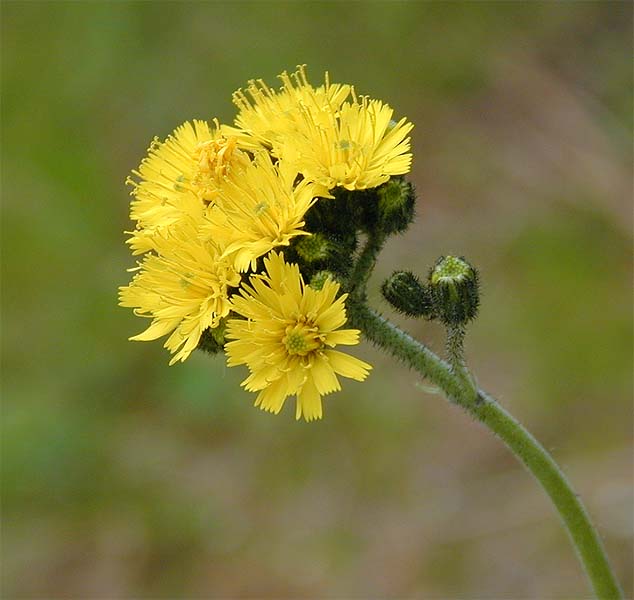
454 290
213 340
312 248
396 200
318 279
404 291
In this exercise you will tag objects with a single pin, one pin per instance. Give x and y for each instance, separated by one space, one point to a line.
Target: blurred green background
123 478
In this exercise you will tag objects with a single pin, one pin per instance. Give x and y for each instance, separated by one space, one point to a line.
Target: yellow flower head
288 337
263 209
183 288
181 176
265 114
357 148
328 134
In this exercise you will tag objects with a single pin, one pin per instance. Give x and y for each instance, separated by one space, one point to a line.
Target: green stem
365 264
455 352
525 447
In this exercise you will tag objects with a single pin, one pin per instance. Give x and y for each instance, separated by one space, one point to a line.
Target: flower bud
213 340
404 291
312 248
454 288
396 200
318 279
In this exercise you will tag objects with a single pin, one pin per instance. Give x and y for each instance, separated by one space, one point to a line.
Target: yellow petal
272 398
347 337
348 366
155 330
308 402
324 376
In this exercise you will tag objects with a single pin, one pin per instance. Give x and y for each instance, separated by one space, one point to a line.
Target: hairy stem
525 447
365 264
455 353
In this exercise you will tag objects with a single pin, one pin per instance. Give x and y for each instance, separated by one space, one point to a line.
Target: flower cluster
246 233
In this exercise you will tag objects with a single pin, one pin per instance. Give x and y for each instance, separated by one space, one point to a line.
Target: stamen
301 339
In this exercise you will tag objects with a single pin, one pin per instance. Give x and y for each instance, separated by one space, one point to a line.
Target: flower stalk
455 353
365 263
494 417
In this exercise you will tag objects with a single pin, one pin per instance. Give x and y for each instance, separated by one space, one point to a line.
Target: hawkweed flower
261 210
287 337
181 176
266 115
183 288
357 148
330 135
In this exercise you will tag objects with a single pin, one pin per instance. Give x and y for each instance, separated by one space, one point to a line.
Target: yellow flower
328 134
265 114
359 147
288 337
263 209
181 176
183 288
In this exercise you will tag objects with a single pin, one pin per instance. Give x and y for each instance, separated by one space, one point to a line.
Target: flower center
451 269
302 339
214 156
214 159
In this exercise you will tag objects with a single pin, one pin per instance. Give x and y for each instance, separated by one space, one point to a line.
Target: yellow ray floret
264 209
287 339
183 289
180 176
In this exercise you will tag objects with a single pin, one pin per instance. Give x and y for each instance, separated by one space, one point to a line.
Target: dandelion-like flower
262 210
266 114
357 148
329 134
183 289
287 337
180 176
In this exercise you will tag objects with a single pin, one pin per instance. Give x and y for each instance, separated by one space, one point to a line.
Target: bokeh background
126 478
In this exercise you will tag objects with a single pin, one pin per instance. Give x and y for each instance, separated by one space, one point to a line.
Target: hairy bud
213 340
396 200
318 279
312 248
454 288
404 291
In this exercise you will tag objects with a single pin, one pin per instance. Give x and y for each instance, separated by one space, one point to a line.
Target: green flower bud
213 340
404 291
318 279
455 292
312 248
396 200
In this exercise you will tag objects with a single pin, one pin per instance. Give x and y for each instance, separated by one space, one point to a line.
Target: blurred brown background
126 478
